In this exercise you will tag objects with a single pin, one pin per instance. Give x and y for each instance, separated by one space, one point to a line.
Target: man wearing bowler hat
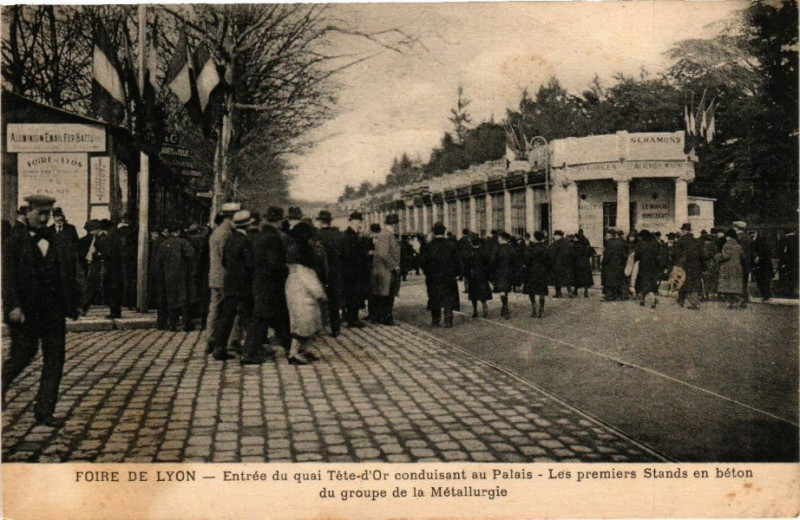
386 271
333 242
355 274
269 283
39 291
688 253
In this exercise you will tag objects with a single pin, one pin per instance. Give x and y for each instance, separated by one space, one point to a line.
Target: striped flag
181 79
688 139
108 93
711 129
207 75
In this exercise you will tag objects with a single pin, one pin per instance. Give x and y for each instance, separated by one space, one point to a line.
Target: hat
58 212
356 215
391 219
274 214
671 236
324 216
229 208
504 235
439 229
619 233
375 228
686 227
558 232
92 225
242 218
738 224
40 200
295 213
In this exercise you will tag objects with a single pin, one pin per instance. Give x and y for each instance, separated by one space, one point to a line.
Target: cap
375 228
40 200
391 219
274 214
686 227
558 232
229 208
242 218
92 225
439 229
324 216
295 213
738 224
356 215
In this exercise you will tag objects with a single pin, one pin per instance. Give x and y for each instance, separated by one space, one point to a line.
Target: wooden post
144 184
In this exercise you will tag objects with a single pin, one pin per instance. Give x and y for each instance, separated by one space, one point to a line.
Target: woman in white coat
304 292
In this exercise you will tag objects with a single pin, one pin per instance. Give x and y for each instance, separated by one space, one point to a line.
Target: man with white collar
216 272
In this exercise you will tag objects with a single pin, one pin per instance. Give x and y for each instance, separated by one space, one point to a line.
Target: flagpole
144 182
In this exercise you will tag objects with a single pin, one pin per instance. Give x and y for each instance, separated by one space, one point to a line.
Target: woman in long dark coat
648 254
537 272
476 268
581 253
562 273
504 268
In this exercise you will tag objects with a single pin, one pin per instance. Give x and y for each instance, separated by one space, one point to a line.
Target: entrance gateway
629 181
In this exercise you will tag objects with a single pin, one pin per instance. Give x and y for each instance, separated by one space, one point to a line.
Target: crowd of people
296 276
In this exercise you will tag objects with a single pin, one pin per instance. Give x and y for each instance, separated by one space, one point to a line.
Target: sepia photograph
464 246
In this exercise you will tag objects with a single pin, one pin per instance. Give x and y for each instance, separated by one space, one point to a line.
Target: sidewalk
378 394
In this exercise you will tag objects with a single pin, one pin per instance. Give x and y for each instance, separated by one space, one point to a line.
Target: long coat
439 265
216 243
505 265
269 274
175 271
303 292
581 254
688 253
730 267
333 241
385 259
107 248
355 270
614 257
648 254
24 289
237 260
562 272
476 270
537 269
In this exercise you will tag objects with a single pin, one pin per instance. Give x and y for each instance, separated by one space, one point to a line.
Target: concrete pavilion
623 180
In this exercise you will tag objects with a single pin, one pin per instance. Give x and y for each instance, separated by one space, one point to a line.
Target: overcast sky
397 103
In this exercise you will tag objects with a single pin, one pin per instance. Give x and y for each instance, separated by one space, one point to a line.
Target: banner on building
63 176
55 137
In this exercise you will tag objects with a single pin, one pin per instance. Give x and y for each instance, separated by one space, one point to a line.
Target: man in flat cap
355 273
39 291
269 283
333 241
386 271
216 272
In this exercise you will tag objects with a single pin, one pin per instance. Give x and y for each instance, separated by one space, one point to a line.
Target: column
446 218
473 215
530 215
417 214
623 206
425 223
489 207
507 211
459 217
681 202
435 217
407 216
564 208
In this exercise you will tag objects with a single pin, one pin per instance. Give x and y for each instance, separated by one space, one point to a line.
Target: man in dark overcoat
615 255
561 253
505 265
109 252
198 238
581 254
269 294
175 265
63 231
355 272
332 241
747 258
537 273
39 291
439 264
689 257
237 286
128 237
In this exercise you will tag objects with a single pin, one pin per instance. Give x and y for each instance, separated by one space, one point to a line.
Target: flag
510 155
703 123
150 87
711 123
108 93
207 75
181 79
688 139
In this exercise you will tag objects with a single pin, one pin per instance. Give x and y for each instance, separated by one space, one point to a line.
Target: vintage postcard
400 260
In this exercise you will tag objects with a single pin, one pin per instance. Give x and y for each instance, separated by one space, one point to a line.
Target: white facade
623 180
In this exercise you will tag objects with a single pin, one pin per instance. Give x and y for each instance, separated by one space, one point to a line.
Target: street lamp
546 184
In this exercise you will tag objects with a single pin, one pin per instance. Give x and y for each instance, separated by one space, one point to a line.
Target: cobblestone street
378 394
